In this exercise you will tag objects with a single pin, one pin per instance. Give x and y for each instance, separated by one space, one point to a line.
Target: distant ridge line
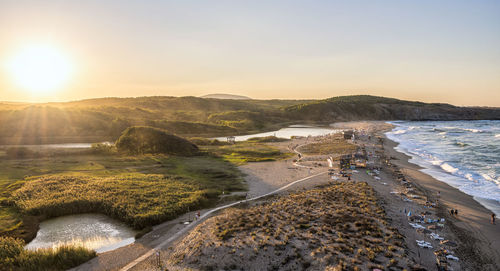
225 96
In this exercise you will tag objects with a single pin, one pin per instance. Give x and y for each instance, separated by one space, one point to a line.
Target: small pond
294 130
94 231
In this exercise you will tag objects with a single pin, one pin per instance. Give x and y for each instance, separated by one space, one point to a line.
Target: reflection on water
94 231
294 130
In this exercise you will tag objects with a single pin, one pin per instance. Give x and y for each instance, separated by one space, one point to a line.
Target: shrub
142 140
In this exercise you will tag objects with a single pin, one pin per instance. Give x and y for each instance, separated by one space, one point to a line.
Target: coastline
442 175
479 239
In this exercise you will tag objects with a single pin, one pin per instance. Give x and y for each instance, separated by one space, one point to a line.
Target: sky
432 51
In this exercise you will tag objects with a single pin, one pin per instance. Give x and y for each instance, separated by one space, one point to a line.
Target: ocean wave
448 168
473 170
461 144
474 130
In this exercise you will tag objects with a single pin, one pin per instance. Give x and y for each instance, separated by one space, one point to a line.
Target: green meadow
105 180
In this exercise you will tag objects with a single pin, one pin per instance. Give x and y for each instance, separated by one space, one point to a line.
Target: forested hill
105 119
365 107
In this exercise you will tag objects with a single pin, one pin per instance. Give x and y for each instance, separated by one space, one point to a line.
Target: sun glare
39 69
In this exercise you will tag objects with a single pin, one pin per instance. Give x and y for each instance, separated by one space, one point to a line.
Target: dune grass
13 256
339 226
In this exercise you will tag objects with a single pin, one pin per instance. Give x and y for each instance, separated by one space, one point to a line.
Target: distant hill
226 96
366 107
105 119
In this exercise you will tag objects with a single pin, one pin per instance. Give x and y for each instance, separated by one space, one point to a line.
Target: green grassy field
197 178
247 151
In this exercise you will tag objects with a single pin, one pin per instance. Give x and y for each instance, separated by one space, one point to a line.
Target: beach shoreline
472 226
438 173
478 239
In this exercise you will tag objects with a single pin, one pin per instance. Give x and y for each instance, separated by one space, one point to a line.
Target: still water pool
94 231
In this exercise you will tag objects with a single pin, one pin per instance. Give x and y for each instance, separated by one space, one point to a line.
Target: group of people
454 212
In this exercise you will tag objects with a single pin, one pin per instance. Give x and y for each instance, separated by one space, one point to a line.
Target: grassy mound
142 140
13 256
138 199
338 226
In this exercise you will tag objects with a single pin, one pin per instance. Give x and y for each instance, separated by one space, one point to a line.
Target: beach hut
231 139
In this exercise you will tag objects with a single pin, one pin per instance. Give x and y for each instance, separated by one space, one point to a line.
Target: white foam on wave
497 135
474 130
399 132
448 168
436 162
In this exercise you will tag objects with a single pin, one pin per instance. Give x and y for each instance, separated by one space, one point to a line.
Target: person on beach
493 219
452 212
456 212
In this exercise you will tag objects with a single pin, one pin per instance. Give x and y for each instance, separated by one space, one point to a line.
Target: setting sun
39 68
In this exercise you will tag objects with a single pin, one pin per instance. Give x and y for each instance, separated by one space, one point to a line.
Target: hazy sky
439 51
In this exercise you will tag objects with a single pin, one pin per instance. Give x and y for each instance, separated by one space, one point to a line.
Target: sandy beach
478 240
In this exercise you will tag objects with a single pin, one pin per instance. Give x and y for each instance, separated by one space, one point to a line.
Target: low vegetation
201 141
139 199
124 185
337 227
247 151
13 256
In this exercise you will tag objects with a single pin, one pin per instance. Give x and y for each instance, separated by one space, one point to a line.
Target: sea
463 154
